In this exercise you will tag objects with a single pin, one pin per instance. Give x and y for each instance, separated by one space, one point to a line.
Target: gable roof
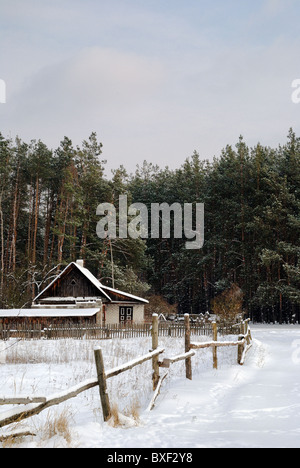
117 292
105 291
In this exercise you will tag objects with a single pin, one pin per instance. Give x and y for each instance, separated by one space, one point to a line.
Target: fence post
102 384
215 338
155 364
240 349
247 332
188 361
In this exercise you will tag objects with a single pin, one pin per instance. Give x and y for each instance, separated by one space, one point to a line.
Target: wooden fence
30 406
93 331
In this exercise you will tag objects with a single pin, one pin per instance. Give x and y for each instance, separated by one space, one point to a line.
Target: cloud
94 76
275 7
95 88
166 84
145 108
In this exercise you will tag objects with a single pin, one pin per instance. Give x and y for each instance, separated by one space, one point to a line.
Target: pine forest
48 203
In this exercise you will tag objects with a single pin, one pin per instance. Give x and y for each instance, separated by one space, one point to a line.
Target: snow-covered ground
257 405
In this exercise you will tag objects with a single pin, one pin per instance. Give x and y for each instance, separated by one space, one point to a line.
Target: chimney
80 263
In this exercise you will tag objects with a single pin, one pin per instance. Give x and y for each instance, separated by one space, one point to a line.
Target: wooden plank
218 344
26 411
168 361
182 357
21 400
215 352
155 365
16 434
102 384
165 363
187 341
157 392
245 351
136 362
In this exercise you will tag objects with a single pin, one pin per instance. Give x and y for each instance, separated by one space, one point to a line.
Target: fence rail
30 406
38 405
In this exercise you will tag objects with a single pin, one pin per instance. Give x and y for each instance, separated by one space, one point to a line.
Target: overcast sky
156 79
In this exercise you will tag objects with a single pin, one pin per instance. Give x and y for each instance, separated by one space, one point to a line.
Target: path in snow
257 405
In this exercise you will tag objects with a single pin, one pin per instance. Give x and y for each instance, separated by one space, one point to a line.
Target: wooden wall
72 284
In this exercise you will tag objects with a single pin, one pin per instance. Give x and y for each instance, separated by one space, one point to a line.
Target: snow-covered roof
71 299
104 290
86 273
130 296
92 278
47 312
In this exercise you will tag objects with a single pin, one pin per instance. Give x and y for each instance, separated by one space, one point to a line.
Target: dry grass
130 418
66 351
115 419
57 424
43 368
12 440
133 410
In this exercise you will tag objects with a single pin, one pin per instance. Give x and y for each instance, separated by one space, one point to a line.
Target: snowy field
257 405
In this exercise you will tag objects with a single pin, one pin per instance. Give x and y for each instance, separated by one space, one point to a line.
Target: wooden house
76 295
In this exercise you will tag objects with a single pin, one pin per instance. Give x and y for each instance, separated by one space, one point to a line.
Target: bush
228 306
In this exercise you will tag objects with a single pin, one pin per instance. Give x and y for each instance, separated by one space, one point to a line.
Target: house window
126 314
73 284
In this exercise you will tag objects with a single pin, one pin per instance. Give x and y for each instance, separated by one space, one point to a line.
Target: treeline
48 202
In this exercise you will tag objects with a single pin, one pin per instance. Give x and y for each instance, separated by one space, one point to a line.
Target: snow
47 312
95 282
2 352
252 406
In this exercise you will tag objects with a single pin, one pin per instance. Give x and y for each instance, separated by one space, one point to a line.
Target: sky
155 79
